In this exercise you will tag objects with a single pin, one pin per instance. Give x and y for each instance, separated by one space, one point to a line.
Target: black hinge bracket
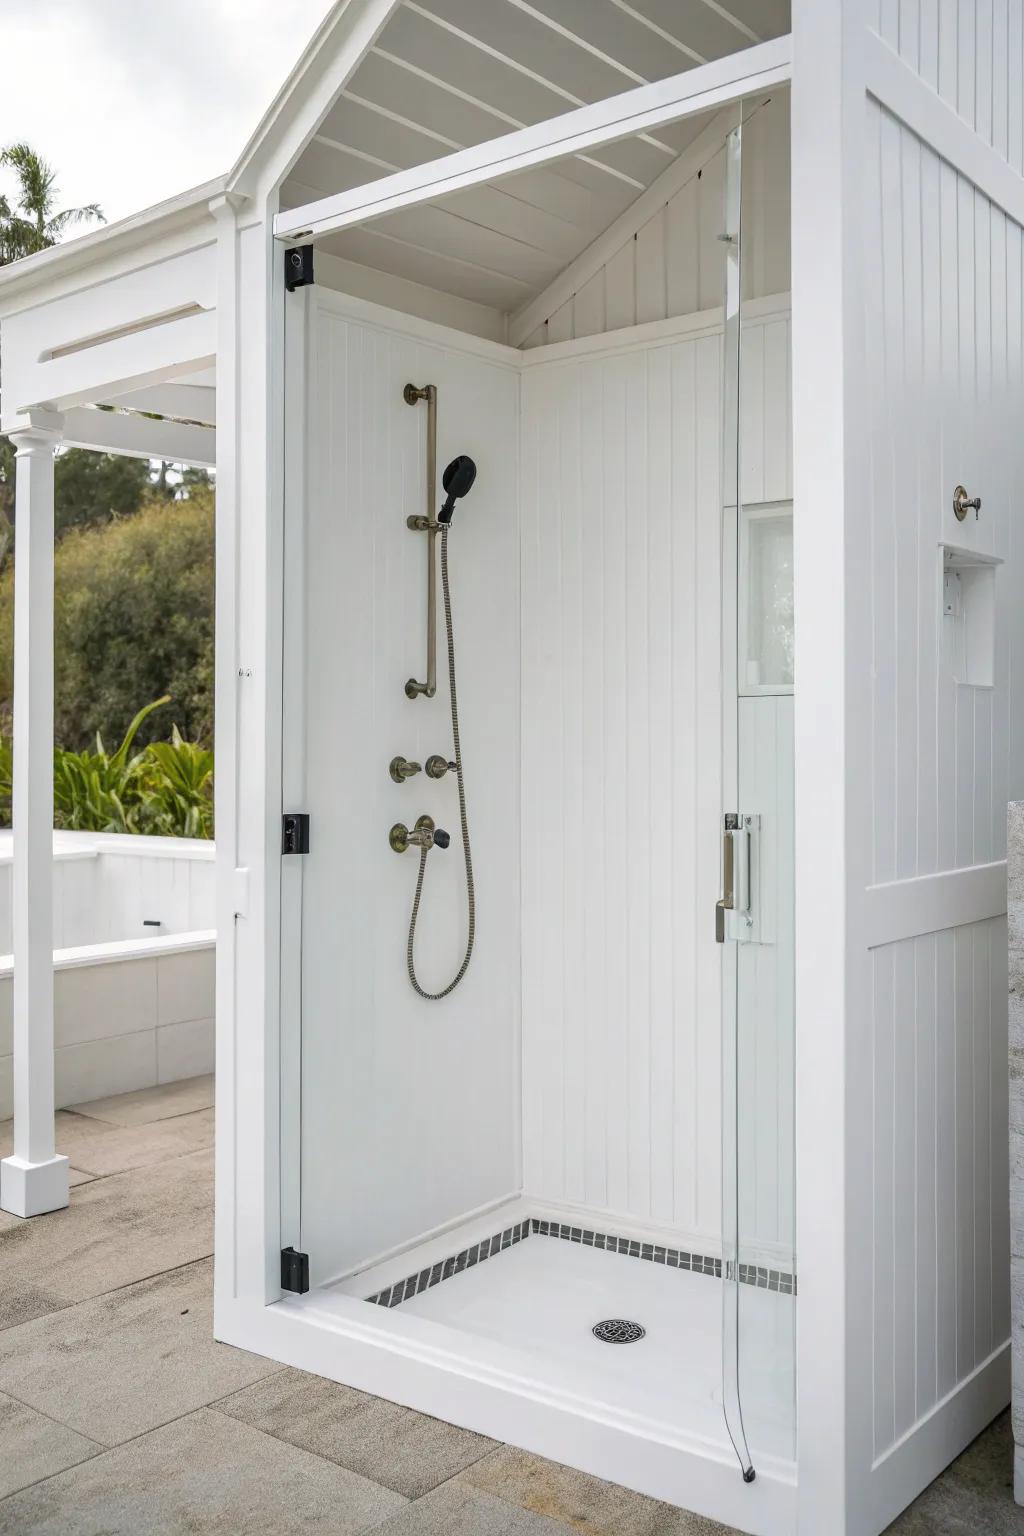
295 832
294 1271
298 267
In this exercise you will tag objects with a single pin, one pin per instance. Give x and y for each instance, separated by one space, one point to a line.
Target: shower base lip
506 1392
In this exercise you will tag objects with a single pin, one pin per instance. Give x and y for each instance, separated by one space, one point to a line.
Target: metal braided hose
433 997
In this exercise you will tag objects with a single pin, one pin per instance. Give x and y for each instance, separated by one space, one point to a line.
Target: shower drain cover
618 1330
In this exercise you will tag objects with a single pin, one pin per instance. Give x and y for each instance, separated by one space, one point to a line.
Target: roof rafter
696 90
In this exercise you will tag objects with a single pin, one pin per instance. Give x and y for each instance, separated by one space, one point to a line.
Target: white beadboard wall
672 265
944 340
972 53
941 1283
410 1109
621 729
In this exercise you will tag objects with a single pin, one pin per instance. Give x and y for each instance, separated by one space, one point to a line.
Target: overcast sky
134 100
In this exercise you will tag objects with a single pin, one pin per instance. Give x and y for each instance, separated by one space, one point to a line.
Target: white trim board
900 91
701 322
603 122
905 909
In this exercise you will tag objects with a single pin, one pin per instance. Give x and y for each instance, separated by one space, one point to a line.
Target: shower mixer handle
437 766
424 835
400 769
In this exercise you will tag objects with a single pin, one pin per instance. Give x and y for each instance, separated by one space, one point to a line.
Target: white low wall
133 961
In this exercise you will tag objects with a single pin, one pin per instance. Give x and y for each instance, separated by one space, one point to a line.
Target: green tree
133 620
33 222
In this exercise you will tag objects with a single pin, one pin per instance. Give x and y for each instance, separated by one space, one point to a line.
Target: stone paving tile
394 1446
456 1509
98 1148
206 1475
148 1104
33 1447
115 1231
126 1362
580 1501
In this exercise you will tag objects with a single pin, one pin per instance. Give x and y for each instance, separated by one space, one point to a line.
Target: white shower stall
697 1179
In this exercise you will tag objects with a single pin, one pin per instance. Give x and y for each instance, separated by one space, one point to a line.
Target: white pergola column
34 1179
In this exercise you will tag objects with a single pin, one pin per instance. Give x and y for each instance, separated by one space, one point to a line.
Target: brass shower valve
424 835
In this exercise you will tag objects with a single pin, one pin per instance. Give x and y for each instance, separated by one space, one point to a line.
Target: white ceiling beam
589 262
111 368
696 90
140 437
185 402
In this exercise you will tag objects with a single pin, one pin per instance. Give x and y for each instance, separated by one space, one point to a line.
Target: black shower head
457 480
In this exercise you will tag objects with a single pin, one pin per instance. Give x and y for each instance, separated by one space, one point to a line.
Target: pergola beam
587 128
140 437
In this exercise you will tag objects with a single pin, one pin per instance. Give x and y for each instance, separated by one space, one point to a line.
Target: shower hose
463 818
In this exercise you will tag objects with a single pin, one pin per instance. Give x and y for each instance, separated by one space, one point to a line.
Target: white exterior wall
907 380
972 53
410 1109
622 782
945 350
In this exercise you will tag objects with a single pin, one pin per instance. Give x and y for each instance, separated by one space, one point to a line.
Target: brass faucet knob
401 769
437 766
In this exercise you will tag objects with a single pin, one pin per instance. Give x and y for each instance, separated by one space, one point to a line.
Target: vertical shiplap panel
663 520
651 303
752 409
929 497
904 151
966 1355
883 1181
615 1020
620 288
885 334
686 885
596 797
945 1166
638 809
573 652
904 1055
777 442
621 732
707 595
940 1300
682 267
588 308
981 1003
926 1192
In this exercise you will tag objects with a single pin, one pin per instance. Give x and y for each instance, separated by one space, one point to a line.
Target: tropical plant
164 789
33 221
177 788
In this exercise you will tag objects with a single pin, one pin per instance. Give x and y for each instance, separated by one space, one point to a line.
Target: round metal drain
618 1330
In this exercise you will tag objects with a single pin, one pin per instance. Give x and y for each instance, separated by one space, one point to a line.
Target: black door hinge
294 1271
295 832
298 267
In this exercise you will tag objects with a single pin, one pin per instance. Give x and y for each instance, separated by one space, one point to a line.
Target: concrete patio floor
119 1414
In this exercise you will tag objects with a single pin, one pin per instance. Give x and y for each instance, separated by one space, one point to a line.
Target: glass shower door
754 922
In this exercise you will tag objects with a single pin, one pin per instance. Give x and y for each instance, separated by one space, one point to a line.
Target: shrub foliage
133 619
164 789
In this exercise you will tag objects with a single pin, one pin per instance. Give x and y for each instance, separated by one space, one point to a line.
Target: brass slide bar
430 526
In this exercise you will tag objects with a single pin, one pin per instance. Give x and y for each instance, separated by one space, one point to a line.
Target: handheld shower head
457 480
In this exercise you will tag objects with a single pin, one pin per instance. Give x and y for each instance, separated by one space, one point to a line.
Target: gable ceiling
446 74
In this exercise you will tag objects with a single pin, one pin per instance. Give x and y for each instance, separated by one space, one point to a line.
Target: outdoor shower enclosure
691 363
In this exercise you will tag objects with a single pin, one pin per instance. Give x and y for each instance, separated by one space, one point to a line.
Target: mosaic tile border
778 1280
477 1253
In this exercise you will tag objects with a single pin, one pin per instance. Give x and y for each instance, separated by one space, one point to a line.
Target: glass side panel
756 923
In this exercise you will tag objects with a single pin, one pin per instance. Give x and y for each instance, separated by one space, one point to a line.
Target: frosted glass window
766 599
